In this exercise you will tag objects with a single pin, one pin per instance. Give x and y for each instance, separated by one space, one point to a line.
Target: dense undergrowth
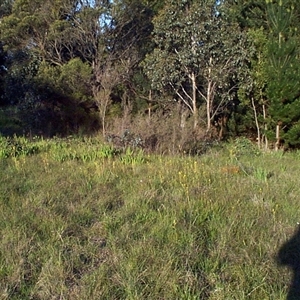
84 220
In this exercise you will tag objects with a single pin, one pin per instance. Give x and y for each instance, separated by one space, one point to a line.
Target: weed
18 146
132 157
261 174
107 151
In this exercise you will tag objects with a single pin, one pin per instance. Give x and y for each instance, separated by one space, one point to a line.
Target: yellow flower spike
174 223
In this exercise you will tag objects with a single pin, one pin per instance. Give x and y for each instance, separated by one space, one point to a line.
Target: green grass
81 220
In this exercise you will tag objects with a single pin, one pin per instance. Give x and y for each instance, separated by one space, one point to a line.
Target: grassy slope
164 227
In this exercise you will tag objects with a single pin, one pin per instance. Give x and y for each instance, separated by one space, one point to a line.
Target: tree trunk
149 106
265 139
194 100
209 97
256 123
103 100
277 137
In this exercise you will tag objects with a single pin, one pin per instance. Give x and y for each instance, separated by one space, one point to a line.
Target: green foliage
69 80
270 85
5 7
292 136
60 150
86 150
253 81
10 122
283 71
18 146
254 78
198 56
240 150
62 70
107 151
69 149
249 14
21 67
132 156
54 86
261 174
243 147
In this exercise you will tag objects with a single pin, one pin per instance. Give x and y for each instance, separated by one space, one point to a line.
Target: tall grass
82 220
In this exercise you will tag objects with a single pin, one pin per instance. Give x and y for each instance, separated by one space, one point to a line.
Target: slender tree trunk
208 106
209 97
194 100
256 123
194 86
149 106
105 79
277 137
265 139
103 101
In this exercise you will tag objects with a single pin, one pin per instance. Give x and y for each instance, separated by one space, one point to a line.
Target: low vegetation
82 219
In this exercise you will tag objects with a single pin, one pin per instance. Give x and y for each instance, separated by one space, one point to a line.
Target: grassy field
82 220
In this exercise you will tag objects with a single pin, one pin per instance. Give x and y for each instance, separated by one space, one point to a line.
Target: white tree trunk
265 139
277 137
256 123
194 100
209 96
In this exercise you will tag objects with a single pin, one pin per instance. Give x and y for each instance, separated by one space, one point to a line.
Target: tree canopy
230 65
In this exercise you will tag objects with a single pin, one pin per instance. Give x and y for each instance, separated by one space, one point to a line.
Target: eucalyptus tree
253 83
41 27
38 37
121 45
5 8
111 37
197 55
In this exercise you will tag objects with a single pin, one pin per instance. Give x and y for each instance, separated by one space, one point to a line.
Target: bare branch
181 97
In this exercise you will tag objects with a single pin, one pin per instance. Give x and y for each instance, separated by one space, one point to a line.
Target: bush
242 146
162 133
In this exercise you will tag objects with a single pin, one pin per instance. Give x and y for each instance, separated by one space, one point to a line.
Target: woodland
191 69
